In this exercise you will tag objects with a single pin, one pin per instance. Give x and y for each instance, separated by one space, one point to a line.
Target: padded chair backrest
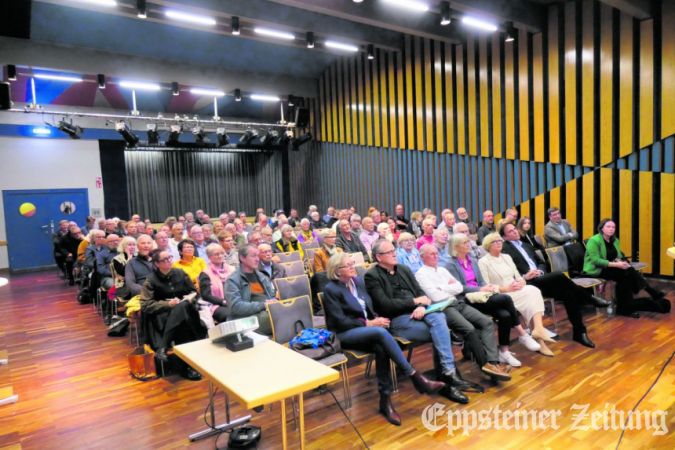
311 244
293 268
575 257
558 259
361 269
288 256
291 287
309 254
288 317
358 258
319 296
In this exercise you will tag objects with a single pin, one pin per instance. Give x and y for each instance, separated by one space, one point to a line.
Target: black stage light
310 39
71 130
270 138
11 72
301 140
510 32
199 134
223 138
128 135
445 13
247 137
174 88
235 26
291 100
237 95
101 80
153 134
141 9
174 135
371 51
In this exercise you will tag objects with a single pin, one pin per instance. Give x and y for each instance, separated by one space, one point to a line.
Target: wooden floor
75 392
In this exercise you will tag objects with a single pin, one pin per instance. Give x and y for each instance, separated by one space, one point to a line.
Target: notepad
436 307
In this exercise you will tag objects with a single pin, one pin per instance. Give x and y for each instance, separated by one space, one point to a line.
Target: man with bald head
487 226
463 216
267 265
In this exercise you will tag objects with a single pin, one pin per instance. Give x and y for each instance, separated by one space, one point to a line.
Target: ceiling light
235 25
46 76
291 100
153 134
265 98
209 92
11 72
108 3
128 135
274 33
341 46
142 9
191 18
445 13
71 130
174 134
268 138
409 4
199 134
222 137
174 88
141 86
371 51
478 23
247 137
358 1
310 39
510 32
100 78
237 95
42 131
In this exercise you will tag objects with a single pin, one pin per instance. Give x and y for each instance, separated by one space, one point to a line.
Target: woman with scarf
306 232
288 242
212 281
327 249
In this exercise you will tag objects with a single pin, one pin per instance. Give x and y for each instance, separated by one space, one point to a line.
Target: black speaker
301 117
5 101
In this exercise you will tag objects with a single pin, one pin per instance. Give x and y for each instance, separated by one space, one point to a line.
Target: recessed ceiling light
141 86
265 98
209 92
46 76
409 4
478 23
191 18
341 46
274 33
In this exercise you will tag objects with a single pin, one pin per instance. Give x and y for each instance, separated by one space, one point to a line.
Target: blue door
32 216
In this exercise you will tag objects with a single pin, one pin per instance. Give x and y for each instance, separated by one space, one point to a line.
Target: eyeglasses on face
166 259
347 266
390 252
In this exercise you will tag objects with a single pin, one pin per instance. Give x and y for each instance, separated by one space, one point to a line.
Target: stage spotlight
268 139
100 78
297 142
237 95
153 134
291 100
310 39
199 134
11 72
174 134
174 88
142 10
128 135
235 26
510 32
223 138
71 130
445 13
371 51
247 137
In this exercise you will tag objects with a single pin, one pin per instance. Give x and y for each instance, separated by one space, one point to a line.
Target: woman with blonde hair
288 242
497 268
384 231
327 248
125 251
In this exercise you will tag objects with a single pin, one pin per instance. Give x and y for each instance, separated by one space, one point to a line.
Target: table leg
301 413
283 424
216 429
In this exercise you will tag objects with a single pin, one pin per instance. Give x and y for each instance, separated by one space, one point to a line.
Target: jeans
463 319
433 327
379 341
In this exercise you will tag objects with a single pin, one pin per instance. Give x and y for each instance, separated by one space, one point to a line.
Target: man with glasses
267 265
397 296
227 242
197 235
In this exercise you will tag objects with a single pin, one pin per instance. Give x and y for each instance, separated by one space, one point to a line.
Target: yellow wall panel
523 96
525 210
570 85
471 92
483 73
360 102
340 101
322 107
428 96
410 113
377 107
539 219
647 82
668 70
509 101
605 193
401 104
419 95
626 86
353 100
587 80
606 84
368 102
571 202
538 96
449 108
384 99
554 199
587 185
667 222
553 86
461 125
392 102
333 103
438 98
496 97
625 222
347 89
646 207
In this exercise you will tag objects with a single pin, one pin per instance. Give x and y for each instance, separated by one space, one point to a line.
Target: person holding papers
476 328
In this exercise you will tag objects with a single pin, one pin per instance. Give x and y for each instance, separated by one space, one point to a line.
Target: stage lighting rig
128 135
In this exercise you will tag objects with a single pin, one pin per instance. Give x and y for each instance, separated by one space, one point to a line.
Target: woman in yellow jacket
288 242
188 262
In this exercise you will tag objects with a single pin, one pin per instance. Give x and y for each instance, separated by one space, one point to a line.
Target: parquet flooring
75 391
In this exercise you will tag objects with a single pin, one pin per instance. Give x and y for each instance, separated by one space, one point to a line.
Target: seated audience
407 253
327 248
226 241
198 237
527 234
427 236
139 267
349 242
476 328
557 230
448 222
315 220
306 233
168 311
288 242
330 217
395 232
96 246
59 256
248 290
294 218
104 259
384 232
266 235
369 235
267 265
350 314
464 268
487 226
191 264
415 224
83 245
476 250
498 269
441 237
162 242
355 222
212 284
555 284
68 247
400 219
604 259
177 234
126 250
463 217
398 297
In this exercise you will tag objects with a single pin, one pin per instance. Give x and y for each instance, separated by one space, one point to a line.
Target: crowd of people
443 282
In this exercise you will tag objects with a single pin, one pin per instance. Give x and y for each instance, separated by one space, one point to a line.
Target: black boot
388 411
655 294
425 385
582 338
454 394
455 380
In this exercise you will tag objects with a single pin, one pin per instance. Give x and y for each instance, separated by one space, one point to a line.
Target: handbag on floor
142 363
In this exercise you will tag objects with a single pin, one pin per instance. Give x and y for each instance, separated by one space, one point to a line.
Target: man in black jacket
553 284
397 296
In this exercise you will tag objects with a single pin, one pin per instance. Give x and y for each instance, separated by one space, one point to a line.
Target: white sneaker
508 358
529 343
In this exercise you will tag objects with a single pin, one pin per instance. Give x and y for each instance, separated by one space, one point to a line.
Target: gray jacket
238 294
555 237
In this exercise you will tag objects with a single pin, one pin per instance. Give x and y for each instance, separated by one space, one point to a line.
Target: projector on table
232 333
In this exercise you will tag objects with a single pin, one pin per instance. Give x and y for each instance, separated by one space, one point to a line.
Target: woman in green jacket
604 259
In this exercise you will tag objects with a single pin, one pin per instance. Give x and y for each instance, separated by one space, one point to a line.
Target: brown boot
425 385
388 411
